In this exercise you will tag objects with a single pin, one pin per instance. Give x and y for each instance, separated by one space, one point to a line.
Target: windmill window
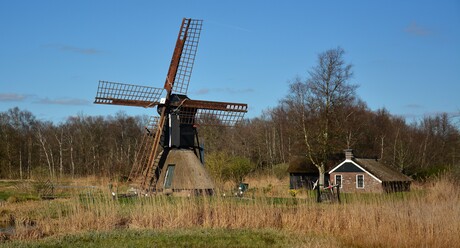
360 181
338 180
169 176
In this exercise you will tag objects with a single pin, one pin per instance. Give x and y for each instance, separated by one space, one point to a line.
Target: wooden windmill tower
170 157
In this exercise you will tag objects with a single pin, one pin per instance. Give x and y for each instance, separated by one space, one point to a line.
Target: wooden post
338 193
318 193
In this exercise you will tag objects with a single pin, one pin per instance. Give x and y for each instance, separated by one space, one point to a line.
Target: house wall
349 182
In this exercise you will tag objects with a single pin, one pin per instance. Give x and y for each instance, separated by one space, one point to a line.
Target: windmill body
170 157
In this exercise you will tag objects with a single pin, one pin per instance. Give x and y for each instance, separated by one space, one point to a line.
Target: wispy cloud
417 30
11 97
14 97
206 91
63 101
202 92
73 49
413 106
414 117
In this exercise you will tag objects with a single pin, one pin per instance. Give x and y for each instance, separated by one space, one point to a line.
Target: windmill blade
180 70
211 113
209 117
127 94
213 105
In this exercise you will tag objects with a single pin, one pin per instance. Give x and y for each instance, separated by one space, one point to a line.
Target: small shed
367 175
302 175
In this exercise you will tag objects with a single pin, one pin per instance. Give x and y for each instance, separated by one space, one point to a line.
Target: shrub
224 167
237 169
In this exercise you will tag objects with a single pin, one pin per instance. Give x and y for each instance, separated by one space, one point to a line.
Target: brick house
367 175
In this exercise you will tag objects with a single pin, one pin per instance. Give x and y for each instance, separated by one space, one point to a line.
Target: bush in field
224 167
280 170
214 163
237 168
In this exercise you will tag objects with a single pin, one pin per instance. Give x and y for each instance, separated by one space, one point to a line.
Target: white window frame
357 184
168 177
341 179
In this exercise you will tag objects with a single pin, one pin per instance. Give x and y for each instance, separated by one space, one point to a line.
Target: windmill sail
127 94
211 112
183 58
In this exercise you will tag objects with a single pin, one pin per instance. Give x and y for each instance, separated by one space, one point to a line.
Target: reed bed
427 217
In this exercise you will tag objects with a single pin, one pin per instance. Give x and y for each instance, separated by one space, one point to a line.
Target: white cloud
11 97
63 101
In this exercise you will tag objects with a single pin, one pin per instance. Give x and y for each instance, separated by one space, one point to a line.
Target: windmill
170 158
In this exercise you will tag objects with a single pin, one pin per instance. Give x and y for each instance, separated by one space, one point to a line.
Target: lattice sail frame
190 31
211 113
212 117
127 94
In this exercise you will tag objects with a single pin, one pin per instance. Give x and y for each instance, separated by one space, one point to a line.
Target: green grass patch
8 195
177 238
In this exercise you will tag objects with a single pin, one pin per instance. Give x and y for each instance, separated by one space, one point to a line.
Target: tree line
319 117
80 146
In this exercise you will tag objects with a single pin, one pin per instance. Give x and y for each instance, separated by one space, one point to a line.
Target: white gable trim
335 168
351 161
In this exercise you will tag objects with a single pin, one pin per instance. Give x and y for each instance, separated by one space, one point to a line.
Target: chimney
349 154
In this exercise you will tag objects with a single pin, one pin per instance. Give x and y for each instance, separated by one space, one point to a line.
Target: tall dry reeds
429 217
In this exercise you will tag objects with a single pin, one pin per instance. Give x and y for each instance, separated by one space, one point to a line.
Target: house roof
381 171
373 167
301 166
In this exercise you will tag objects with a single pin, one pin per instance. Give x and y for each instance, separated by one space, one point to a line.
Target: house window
169 176
338 180
359 181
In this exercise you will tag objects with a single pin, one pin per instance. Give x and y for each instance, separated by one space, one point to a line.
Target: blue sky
406 54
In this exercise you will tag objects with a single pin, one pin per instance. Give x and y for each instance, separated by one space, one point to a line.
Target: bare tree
319 100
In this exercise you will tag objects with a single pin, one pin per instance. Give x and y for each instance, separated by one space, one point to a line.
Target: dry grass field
429 216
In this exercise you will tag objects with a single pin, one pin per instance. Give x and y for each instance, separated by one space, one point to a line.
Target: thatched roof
303 165
189 173
299 165
381 171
